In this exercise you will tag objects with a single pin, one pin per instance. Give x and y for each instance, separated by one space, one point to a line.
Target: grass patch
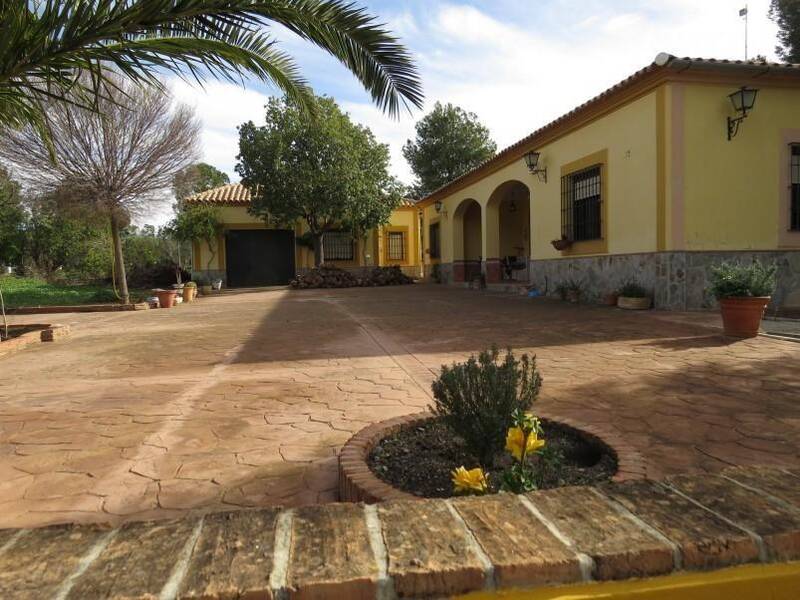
28 291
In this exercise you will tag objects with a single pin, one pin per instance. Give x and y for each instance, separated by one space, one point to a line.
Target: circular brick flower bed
357 482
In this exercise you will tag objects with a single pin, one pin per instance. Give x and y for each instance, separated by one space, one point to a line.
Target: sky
517 64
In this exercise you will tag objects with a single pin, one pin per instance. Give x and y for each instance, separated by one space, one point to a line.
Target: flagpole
746 17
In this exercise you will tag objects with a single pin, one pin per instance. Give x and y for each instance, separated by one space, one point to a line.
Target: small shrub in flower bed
332 277
483 439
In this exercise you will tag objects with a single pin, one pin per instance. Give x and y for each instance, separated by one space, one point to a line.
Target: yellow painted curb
754 582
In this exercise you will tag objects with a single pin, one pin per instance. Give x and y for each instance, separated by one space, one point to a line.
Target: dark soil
418 459
14 332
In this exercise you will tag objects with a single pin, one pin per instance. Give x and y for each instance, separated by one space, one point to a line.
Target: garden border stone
45 332
76 308
429 548
357 482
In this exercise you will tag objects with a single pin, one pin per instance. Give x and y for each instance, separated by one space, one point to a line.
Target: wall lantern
743 101
532 160
438 206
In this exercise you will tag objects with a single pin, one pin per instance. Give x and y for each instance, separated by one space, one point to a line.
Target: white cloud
516 74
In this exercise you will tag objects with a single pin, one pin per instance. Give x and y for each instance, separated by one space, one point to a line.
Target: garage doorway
259 257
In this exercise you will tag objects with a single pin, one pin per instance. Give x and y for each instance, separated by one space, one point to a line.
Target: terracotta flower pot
189 293
573 296
629 303
741 317
166 298
610 299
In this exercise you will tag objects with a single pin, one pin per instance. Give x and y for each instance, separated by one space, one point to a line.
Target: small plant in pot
570 290
189 291
633 296
205 285
743 293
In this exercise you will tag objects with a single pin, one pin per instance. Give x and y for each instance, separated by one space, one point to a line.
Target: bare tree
120 160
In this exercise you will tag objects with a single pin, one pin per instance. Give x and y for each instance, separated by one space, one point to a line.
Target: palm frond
52 42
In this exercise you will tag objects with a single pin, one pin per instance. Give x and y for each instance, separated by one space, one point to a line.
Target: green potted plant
743 292
570 289
633 296
205 285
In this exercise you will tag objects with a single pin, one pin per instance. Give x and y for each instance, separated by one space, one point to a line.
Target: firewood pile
333 277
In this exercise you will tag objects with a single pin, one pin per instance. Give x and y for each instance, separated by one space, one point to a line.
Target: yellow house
248 252
685 163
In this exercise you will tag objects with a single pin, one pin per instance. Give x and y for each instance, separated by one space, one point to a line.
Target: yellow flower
473 480
516 437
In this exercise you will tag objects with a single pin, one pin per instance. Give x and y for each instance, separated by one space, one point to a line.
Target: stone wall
430 548
678 279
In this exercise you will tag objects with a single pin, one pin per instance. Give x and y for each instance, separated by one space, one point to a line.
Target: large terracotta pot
630 303
166 298
741 317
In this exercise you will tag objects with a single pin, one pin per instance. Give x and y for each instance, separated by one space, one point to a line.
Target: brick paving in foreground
243 400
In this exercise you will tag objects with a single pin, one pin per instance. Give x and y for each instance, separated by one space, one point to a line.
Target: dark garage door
259 257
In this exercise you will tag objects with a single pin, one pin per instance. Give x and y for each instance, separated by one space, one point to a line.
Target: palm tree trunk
119 261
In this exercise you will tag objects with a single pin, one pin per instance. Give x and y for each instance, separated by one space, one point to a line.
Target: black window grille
434 245
794 216
581 205
337 245
396 245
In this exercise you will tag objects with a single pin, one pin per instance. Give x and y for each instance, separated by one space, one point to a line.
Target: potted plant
189 291
743 292
632 296
611 298
561 244
166 298
570 290
205 285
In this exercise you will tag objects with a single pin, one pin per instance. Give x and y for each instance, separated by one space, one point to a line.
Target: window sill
587 247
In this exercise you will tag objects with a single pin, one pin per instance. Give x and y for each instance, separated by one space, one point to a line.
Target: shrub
477 399
735 280
633 289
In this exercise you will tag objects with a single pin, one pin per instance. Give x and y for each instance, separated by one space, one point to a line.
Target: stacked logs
333 277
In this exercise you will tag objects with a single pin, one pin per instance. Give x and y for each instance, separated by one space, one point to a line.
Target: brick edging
77 308
357 482
46 332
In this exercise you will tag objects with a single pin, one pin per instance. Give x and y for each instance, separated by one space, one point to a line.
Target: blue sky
517 64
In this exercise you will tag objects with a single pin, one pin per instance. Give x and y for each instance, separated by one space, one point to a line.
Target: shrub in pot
743 292
633 296
205 285
477 399
570 290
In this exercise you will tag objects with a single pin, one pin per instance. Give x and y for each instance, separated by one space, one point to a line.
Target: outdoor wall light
743 101
438 206
532 160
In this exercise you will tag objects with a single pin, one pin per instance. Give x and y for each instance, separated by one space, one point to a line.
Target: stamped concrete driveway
244 399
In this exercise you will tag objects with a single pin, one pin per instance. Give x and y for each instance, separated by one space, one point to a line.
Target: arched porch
467 240
507 236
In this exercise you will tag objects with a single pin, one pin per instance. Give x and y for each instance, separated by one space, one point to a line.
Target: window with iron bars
395 245
433 241
581 203
337 245
794 204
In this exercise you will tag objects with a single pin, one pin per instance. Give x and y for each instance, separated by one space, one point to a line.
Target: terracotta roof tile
662 61
232 194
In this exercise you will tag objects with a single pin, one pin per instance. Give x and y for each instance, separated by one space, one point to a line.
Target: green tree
197 178
48 44
449 142
12 221
201 223
786 13
330 173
